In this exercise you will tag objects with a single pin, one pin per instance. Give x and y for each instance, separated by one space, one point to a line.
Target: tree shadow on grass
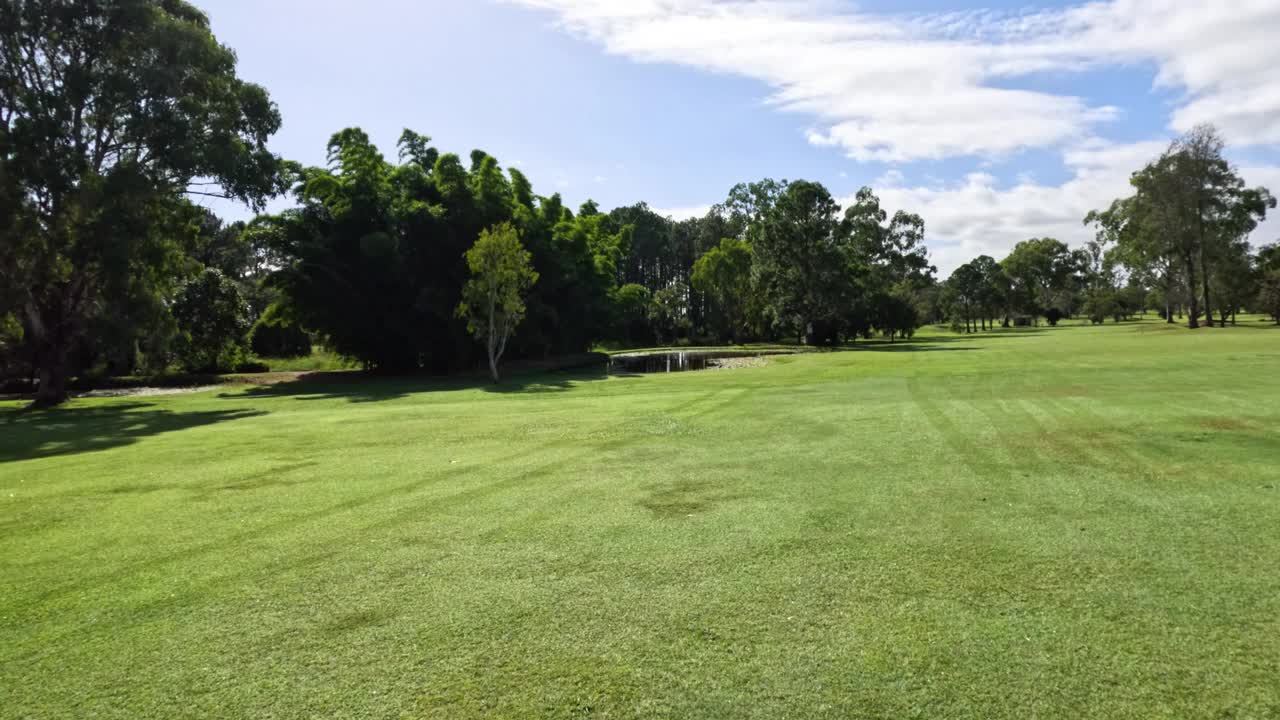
941 343
361 387
31 434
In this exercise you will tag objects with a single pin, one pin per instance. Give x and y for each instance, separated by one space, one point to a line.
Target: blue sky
996 122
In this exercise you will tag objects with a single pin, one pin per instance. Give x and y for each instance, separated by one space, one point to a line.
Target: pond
684 360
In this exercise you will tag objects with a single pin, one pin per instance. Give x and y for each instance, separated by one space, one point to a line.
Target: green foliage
1040 272
493 299
724 274
110 111
799 261
669 312
212 318
632 317
1269 295
373 259
274 336
12 363
1189 213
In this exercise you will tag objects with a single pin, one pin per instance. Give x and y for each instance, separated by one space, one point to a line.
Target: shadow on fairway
362 387
943 343
30 434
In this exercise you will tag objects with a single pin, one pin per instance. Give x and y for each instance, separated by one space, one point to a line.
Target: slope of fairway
1066 523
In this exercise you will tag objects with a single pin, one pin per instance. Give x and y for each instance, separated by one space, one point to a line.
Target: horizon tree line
1178 244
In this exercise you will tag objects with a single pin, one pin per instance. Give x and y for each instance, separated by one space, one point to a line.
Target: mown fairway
1073 522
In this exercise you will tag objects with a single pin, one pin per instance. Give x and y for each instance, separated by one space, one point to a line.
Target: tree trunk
1204 275
1193 304
52 389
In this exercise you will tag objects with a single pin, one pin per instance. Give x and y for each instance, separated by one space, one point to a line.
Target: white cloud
891 178
901 88
684 213
905 87
976 216
884 88
1221 55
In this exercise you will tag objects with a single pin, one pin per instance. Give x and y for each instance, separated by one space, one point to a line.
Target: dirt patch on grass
1224 423
685 498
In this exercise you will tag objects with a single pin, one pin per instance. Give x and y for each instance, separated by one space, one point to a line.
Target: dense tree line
1179 245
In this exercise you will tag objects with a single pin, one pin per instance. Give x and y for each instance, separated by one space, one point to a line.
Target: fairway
1048 522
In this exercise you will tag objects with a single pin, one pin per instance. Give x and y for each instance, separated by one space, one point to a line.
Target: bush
212 319
1053 315
253 367
272 336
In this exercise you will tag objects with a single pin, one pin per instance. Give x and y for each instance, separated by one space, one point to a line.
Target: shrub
273 336
212 319
1053 315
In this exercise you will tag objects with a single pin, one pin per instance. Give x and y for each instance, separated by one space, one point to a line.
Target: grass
1051 523
320 360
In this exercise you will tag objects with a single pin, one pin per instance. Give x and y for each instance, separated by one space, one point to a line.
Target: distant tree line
1179 246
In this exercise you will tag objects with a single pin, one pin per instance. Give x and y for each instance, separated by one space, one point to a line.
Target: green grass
320 359
1053 523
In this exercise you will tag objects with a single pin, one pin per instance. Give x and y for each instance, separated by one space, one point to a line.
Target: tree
963 294
1133 233
274 336
1269 296
991 288
1040 271
888 264
108 112
1236 280
1189 206
213 318
631 305
801 268
723 273
669 312
493 299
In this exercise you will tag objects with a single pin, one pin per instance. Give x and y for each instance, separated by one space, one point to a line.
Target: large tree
111 115
801 267
723 274
1040 270
1189 208
888 264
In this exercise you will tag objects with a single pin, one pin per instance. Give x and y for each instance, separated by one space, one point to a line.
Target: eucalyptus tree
991 290
1188 209
889 262
111 115
1269 295
493 299
963 293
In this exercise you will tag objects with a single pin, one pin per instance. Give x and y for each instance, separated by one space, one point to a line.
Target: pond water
679 361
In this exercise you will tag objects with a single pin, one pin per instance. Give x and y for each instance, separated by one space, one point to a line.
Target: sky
996 122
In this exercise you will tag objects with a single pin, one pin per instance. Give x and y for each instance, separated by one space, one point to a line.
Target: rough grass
1051 523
